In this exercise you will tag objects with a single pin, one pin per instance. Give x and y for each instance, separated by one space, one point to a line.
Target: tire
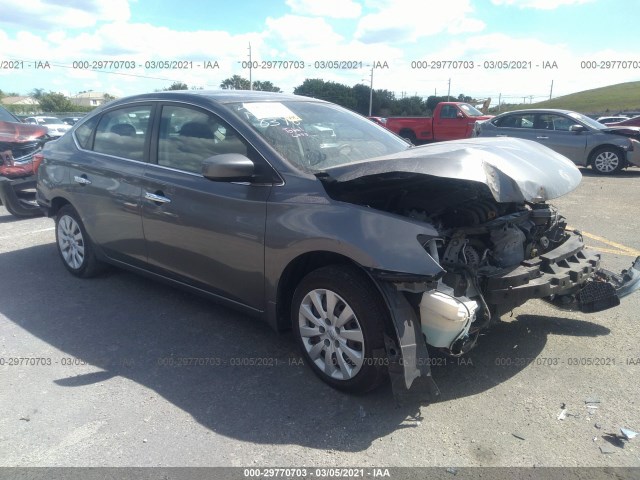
408 135
607 160
74 245
343 345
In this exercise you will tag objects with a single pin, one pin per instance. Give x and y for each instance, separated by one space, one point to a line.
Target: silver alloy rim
70 242
331 334
606 162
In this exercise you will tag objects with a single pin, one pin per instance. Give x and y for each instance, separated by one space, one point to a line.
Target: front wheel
607 161
338 321
74 245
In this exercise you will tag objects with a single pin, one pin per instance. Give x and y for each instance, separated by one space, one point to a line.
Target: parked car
19 146
70 120
630 122
606 149
605 120
368 248
55 127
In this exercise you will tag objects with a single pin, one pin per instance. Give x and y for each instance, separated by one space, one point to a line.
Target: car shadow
230 372
632 172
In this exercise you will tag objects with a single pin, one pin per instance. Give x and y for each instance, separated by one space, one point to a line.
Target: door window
449 111
516 121
123 132
188 136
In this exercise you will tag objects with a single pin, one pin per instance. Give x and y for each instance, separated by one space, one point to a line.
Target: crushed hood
513 169
12 132
623 130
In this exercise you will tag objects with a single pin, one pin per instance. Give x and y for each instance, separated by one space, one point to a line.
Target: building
90 99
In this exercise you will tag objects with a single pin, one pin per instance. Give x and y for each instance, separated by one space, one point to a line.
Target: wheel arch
56 204
296 270
592 154
408 133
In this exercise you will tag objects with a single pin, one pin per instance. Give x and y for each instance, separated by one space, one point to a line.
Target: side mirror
228 167
577 128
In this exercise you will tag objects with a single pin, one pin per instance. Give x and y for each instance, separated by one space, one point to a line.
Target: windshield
6 116
314 136
470 111
587 121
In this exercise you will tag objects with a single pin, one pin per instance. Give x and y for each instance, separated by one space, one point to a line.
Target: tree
235 83
107 98
265 86
410 106
37 93
177 86
330 91
55 102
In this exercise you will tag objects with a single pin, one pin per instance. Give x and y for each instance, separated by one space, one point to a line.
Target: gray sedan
315 219
586 142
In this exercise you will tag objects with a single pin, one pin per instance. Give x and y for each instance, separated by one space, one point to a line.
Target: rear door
204 233
518 125
106 179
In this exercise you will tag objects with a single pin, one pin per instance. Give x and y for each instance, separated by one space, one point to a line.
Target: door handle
82 180
155 197
542 138
501 135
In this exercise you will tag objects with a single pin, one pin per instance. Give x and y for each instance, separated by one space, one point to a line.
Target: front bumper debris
568 277
17 197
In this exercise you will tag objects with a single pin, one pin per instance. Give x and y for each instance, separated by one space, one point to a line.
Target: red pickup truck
450 121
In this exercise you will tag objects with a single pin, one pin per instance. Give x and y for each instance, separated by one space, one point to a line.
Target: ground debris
628 434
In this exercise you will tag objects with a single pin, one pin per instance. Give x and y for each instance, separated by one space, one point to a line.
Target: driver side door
201 232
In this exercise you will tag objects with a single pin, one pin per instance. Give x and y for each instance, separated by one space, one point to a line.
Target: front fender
375 240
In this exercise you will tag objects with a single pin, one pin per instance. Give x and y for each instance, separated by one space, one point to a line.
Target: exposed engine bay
495 255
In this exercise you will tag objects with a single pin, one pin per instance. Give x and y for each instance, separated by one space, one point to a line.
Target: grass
611 99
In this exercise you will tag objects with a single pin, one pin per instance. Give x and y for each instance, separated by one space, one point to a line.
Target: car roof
221 96
540 110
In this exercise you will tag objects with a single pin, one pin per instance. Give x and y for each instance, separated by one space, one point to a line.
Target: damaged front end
20 145
498 242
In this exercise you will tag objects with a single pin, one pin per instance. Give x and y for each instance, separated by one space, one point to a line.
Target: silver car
584 141
315 219
55 127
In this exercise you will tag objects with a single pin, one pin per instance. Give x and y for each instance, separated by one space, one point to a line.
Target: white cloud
326 8
400 21
53 15
540 4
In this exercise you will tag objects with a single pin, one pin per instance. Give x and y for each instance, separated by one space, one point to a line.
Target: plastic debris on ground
628 434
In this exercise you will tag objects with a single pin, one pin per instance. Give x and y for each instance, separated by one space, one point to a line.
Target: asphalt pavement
123 371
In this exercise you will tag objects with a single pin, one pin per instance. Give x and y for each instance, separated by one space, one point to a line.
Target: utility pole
371 93
551 91
250 69
499 101
449 91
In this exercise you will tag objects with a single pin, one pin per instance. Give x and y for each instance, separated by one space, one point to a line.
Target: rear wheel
338 320
408 135
607 160
74 245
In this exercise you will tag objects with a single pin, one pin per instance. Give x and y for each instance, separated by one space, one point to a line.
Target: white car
55 127
614 119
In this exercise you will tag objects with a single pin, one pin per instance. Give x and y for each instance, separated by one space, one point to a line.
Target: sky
512 50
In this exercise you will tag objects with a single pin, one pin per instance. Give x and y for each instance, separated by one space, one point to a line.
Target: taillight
37 160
